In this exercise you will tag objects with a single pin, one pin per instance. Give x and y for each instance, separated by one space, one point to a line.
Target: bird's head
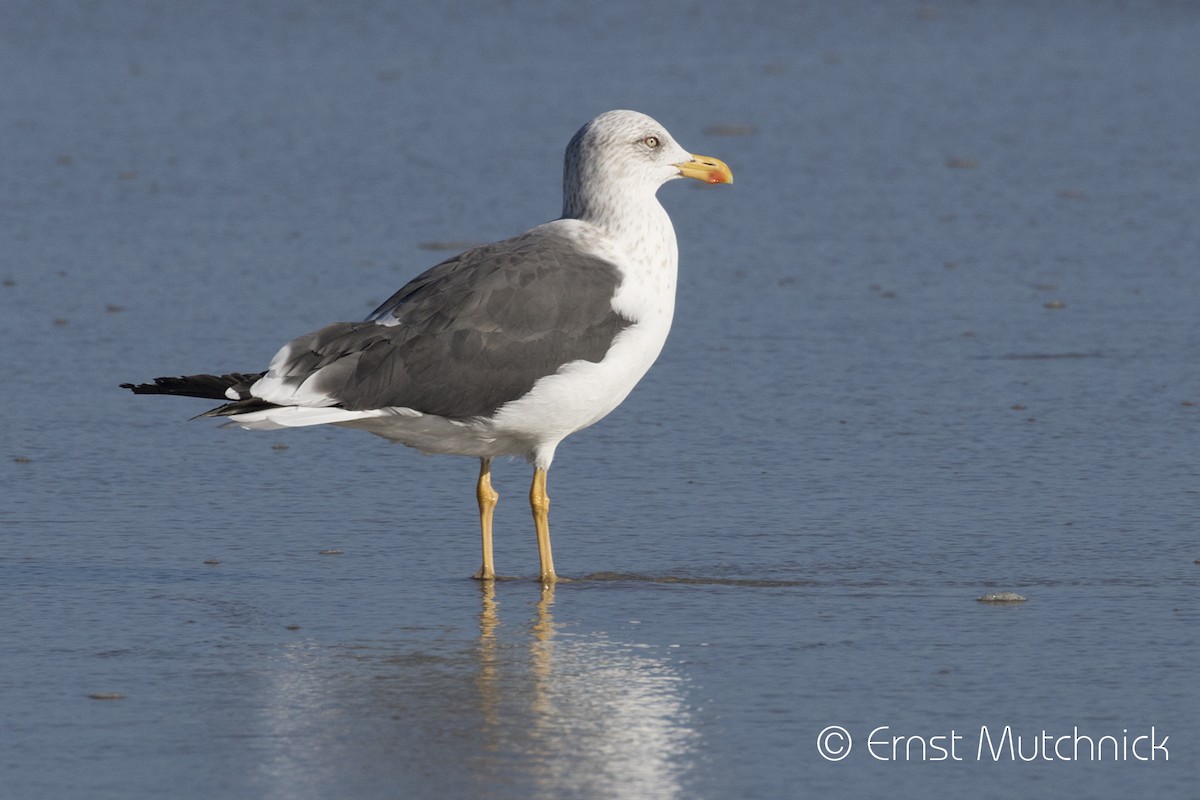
624 154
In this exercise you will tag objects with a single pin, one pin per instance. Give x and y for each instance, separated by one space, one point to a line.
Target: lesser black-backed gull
506 349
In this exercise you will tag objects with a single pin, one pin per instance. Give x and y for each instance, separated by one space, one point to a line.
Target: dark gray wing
470 334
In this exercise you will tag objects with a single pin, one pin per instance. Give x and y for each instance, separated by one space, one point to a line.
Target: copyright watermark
997 743
834 743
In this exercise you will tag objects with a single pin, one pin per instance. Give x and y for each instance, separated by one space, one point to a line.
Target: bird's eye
651 142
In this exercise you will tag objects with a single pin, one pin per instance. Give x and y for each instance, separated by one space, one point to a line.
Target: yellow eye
651 142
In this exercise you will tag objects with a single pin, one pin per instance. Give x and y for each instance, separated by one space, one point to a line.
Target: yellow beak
707 169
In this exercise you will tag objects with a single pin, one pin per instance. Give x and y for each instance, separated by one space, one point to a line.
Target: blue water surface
938 340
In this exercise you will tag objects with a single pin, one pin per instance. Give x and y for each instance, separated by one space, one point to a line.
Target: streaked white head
621 158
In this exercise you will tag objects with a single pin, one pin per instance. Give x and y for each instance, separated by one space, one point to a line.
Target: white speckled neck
612 170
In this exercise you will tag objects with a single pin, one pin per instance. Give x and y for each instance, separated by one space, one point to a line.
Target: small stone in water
1002 597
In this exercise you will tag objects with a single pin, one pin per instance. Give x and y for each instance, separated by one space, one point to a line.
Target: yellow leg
539 501
487 498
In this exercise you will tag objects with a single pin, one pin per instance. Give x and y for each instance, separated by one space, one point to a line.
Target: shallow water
938 340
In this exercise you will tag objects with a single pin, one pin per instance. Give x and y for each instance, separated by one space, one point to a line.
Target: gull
505 349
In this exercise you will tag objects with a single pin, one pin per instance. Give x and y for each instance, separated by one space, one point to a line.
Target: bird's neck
633 221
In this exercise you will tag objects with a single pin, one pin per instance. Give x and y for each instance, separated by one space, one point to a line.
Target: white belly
583 392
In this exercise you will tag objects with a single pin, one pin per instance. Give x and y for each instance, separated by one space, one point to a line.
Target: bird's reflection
586 716
527 706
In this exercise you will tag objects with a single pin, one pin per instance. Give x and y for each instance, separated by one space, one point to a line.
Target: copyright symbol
834 743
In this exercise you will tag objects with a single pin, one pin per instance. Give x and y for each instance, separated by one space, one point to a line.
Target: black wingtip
212 387
237 407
